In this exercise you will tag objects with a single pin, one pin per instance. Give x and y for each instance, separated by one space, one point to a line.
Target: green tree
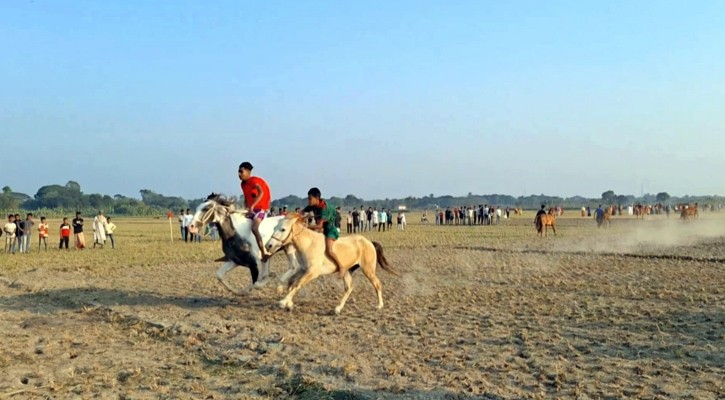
608 197
7 190
663 197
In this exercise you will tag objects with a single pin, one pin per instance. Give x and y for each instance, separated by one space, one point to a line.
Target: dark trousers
113 241
349 228
381 226
64 240
44 241
188 236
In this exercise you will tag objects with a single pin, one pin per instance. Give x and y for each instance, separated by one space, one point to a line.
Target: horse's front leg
221 275
309 275
292 267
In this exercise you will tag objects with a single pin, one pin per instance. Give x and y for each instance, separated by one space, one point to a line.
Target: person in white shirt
9 230
498 215
376 219
188 235
110 228
181 224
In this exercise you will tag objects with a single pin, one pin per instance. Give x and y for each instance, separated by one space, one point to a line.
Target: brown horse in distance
544 221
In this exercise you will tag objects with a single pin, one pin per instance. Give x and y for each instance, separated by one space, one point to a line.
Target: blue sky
379 98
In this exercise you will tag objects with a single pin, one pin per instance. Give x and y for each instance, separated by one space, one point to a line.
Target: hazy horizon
379 100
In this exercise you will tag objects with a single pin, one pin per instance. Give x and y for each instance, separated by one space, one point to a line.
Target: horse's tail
382 261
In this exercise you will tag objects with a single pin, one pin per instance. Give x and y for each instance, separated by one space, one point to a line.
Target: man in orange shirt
257 199
43 232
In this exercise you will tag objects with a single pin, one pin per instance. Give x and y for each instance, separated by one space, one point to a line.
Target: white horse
239 244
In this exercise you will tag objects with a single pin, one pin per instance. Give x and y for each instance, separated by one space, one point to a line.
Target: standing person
390 219
362 217
43 233
257 199
349 222
599 216
325 222
508 213
498 215
181 224
78 232
383 220
110 228
355 220
188 235
403 223
99 230
64 234
10 230
369 215
19 230
338 220
27 232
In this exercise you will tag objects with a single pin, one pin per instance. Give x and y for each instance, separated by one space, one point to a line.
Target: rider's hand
250 214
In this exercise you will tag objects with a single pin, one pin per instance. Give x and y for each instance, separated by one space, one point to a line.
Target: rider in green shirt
325 218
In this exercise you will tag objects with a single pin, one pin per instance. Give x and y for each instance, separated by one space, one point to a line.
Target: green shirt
323 214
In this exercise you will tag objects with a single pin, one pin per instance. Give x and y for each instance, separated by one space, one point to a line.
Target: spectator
64 234
369 216
355 220
498 215
350 221
383 220
110 228
19 229
43 233
99 230
27 232
78 232
10 230
403 222
338 221
181 224
390 219
214 231
376 219
188 236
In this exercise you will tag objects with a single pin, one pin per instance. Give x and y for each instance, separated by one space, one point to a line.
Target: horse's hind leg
348 290
370 274
553 229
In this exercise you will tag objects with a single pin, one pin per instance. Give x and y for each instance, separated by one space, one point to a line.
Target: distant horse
238 242
354 251
518 211
689 213
544 221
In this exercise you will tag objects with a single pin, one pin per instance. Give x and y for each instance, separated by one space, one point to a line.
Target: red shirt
65 230
251 193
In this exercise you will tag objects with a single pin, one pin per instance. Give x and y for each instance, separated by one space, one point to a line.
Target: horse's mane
221 200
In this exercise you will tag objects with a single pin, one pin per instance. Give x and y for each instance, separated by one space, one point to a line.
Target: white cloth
10 229
99 229
187 220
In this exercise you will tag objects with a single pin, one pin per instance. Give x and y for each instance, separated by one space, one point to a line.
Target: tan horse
606 218
545 221
689 213
518 211
353 251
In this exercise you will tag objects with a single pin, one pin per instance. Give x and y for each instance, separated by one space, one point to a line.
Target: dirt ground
634 311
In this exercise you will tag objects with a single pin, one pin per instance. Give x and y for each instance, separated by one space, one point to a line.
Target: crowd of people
471 215
18 233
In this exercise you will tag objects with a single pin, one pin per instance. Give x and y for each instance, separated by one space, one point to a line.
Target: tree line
63 200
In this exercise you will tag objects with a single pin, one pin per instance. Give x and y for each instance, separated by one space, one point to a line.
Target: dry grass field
635 311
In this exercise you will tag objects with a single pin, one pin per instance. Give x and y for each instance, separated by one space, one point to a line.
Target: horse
354 251
238 242
689 213
543 221
518 211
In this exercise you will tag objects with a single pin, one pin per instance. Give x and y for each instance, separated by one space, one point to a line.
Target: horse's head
214 210
552 211
286 230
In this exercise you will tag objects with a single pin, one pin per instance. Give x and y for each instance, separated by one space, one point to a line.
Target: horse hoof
338 310
280 290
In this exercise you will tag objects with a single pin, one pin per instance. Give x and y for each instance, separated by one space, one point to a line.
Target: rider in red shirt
257 199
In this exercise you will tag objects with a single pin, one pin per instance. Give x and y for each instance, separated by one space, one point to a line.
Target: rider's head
313 197
245 170
543 206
